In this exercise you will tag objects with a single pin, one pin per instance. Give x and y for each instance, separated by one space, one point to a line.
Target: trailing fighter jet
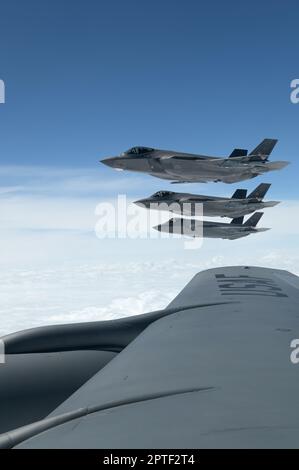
182 167
207 229
188 204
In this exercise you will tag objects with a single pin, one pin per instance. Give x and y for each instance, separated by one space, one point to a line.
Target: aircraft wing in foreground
212 370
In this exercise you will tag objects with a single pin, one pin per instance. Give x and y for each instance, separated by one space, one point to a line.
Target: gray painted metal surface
188 204
32 385
208 229
210 376
185 167
44 366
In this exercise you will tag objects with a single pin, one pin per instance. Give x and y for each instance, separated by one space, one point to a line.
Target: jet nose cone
145 203
158 227
108 161
113 162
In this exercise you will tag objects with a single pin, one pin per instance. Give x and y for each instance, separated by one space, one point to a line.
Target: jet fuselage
186 167
213 206
207 229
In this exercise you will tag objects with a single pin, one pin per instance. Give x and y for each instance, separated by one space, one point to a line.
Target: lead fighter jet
182 167
188 204
207 229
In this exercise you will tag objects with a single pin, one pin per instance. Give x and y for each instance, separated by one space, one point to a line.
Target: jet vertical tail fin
237 221
238 153
264 149
260 191
239 194
254 219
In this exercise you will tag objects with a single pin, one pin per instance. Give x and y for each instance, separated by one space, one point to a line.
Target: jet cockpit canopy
139 150
162 194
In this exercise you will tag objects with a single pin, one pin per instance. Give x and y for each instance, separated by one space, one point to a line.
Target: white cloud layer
78 293
54 269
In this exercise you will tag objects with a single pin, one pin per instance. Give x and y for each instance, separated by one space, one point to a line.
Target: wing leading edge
202 377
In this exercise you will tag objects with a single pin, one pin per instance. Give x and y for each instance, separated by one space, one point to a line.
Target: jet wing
167 154
198 199
188 182
214 376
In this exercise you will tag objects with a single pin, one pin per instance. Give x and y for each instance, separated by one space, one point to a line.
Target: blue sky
89 79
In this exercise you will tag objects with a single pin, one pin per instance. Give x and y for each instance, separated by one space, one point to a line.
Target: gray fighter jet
190 204
207 229
182 167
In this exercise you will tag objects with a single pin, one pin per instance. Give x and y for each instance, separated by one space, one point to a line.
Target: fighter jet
182 167
190 204
207 229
